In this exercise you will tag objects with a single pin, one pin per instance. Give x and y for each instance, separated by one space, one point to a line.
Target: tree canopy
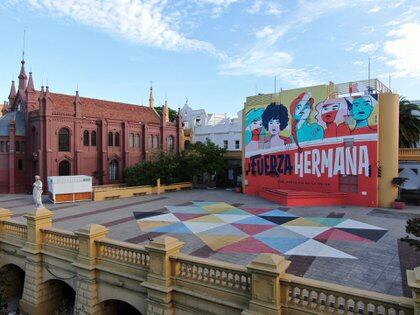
198 159
172 113
409 128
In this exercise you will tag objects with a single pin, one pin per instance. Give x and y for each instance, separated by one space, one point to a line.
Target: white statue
37 192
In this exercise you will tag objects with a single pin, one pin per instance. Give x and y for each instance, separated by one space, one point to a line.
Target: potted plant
398 182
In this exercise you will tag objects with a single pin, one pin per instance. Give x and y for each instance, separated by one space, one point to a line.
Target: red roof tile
105 109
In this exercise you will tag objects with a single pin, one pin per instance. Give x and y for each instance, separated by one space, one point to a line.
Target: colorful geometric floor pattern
225 228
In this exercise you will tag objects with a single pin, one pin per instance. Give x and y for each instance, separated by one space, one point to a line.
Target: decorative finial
23 48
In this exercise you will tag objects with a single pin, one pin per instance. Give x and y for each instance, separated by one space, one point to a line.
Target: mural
313 143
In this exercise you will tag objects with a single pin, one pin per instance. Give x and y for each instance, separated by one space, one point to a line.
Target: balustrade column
159 277
266 292
87 294
413 279
33 298
5 215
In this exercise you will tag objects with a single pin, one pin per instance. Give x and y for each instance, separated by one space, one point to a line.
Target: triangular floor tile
303 222
198 227
252 229
170 217
152 225
230 218
314 248
248 245
281 232
308 231
188 216
215 242
326 221
186 209
339 235
255 221
373 235
207 218
281 244
142 215
353 224
227 229
278 220
278 213
174 228
256 211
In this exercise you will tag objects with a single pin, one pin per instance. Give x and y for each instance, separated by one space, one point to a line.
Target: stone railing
116 192
169 282
309 295
213 273
409 154
15 229
61 238
123 252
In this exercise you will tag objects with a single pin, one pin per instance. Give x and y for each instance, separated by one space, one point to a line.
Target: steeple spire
151 98
22 77
12 93
30 87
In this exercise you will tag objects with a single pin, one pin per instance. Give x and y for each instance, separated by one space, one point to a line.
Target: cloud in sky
143 22
403 49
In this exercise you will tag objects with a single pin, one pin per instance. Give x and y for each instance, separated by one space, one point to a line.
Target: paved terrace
353 246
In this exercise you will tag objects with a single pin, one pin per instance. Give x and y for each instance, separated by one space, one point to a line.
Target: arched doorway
60 298
64 168
187 144
113 170
12 279
111 307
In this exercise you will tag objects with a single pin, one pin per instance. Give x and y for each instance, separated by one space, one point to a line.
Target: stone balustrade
158 279
322 297
61 238
15 229
124 252
213 273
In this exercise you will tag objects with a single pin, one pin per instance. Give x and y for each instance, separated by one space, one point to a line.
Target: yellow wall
388 147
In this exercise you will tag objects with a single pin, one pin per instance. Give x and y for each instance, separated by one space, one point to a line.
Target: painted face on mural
329 112
274 126
302 110
362 108
256 127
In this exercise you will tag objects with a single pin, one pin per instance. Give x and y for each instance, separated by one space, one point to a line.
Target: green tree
172 113
409 124
204 158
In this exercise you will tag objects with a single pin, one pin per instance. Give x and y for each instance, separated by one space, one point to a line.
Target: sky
214 53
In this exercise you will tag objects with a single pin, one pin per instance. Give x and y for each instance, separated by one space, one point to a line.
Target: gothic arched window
117 139
171 142
85 138
110 139
93 138
64 168
64 140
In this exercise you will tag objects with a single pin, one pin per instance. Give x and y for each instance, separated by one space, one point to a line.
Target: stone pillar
413 279
87 293
388 147
158 186
34 287
266 270
159 278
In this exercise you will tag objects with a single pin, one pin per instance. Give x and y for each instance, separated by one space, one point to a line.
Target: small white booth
70 188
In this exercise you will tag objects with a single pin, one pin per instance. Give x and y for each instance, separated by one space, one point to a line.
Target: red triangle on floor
248 245
252 229
338 235
256 211
188 216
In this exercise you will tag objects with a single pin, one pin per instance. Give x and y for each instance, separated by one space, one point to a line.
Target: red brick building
53 134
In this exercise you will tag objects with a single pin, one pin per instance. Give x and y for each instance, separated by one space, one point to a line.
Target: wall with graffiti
304 139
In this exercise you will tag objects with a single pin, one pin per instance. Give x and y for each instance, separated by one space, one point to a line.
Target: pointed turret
30 88
12 93
151 98
165 112
22 77
76 103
